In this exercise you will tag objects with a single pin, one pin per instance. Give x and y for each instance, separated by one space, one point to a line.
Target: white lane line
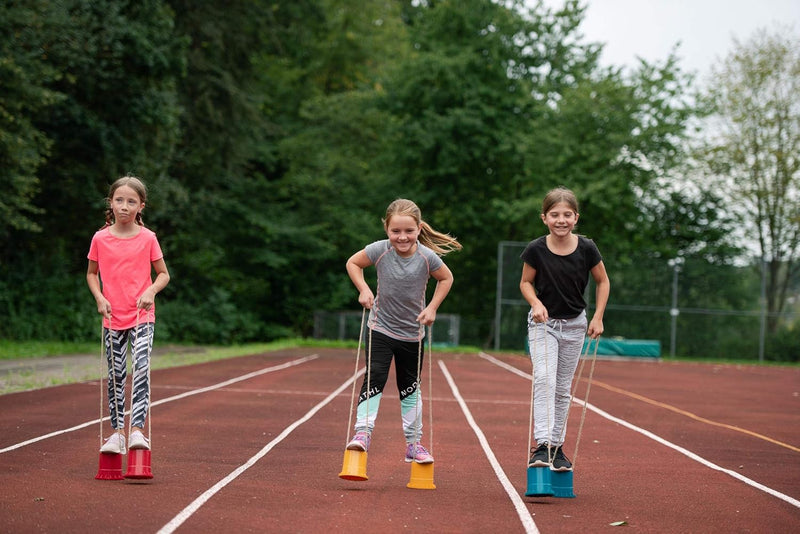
659 439
693 456
505 366
519 504
187 512
169 399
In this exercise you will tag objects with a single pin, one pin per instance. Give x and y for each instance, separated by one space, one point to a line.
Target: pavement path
36 373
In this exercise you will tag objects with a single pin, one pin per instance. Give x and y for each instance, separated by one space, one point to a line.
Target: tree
90 96
462 105
116 110
279 134
497 105
333 185
273 135
755 152
24 80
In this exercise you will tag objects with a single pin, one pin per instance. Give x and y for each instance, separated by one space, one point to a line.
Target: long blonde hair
438 242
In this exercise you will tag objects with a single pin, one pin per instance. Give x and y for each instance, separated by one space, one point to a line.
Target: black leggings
381 349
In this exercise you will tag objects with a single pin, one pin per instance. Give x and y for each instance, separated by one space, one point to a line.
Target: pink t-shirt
125 267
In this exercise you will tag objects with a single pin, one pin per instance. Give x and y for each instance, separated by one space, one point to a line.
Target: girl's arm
444 281
93 279
145 301
601 299
529 293
355 269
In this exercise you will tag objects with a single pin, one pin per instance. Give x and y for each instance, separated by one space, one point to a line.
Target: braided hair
134 183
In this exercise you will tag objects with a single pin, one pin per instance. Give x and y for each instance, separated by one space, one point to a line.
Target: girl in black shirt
554 278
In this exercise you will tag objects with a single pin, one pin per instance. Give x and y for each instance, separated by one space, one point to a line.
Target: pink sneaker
415 452
360 442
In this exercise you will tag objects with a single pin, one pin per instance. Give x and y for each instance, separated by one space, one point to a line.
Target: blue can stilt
562 484
539 484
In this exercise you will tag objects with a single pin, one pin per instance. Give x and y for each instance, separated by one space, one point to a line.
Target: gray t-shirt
402 282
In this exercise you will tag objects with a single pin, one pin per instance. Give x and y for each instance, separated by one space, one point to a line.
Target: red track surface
738 418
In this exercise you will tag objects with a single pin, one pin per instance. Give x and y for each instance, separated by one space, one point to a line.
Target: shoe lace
418 448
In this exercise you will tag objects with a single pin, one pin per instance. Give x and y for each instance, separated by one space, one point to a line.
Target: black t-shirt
561 280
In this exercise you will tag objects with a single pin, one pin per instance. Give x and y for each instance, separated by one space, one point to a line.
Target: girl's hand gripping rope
104 308
146 300
366 298
595 328
426 316
539 313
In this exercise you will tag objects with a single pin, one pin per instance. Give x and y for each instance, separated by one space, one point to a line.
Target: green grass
82 369
728 361
20 350
176 355
90 367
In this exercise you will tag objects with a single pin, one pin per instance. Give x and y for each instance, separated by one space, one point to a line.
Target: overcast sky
705 28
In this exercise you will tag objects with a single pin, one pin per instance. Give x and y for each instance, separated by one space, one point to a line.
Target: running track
255 444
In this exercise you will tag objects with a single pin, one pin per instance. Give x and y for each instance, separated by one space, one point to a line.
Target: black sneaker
540 457
560 461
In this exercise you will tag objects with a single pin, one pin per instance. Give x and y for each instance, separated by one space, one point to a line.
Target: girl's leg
379 360
408 368
571 336
142 347
406 365
544 353
116 348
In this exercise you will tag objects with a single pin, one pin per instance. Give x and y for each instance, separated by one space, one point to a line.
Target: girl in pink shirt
122 256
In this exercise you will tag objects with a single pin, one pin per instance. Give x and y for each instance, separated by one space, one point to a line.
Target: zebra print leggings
116 344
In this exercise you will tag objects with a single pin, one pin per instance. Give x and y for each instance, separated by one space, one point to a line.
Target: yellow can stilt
421 476
354 466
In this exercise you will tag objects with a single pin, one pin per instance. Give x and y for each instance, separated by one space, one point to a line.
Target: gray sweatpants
555 349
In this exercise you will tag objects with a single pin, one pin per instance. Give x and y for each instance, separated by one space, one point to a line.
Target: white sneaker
115 444
138 441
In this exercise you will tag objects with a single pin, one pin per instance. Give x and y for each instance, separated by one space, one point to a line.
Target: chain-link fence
691 306
345 325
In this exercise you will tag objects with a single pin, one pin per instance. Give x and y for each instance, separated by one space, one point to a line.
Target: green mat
646 348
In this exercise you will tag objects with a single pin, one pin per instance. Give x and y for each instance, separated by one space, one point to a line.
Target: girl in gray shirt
398 315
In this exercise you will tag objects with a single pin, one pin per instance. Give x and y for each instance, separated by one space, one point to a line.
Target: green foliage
113 111
214 321
458 137
272 135
753 157
20 350
492 110
782 346
24 80
46 301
